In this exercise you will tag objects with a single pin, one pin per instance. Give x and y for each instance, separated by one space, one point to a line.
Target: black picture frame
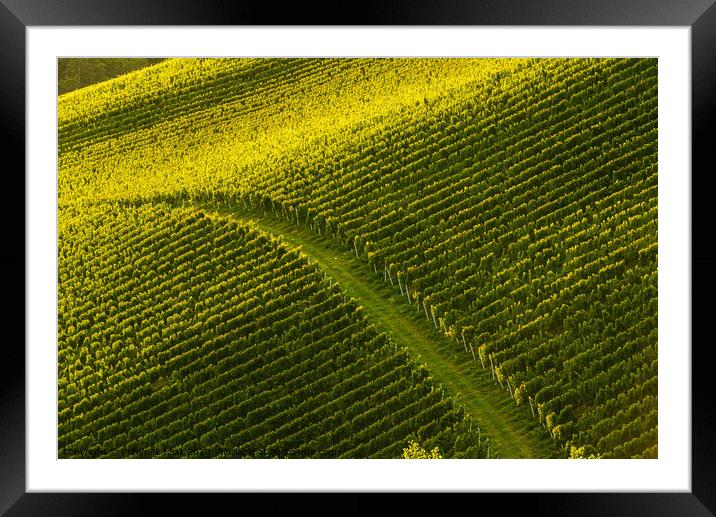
17 15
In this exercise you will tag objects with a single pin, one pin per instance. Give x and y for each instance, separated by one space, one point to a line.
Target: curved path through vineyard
512 429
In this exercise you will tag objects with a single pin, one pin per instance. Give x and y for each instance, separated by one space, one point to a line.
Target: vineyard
217 340
511 204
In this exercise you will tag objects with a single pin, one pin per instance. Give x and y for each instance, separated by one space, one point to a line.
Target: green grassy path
512 429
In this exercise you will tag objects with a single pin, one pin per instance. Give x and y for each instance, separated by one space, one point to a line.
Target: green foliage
414 452
578 453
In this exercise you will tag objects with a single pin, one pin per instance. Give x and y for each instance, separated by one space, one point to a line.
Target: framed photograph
279 252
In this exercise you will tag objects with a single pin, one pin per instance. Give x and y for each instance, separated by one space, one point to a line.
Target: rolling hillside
511 202
184 336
